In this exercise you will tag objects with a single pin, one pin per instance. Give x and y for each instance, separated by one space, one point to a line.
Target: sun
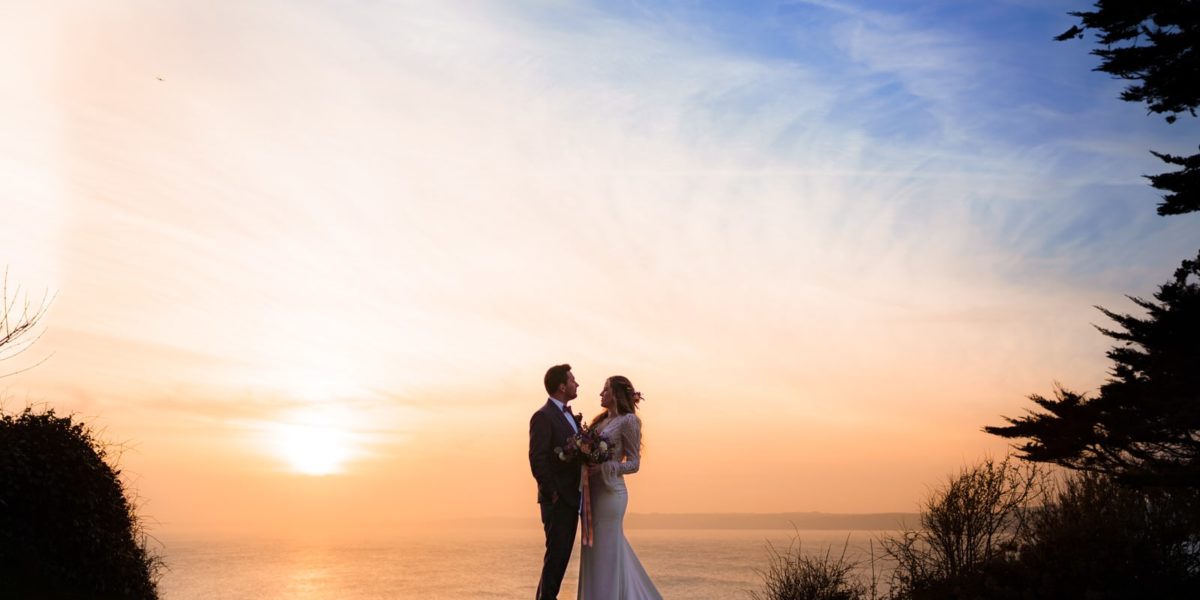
312 449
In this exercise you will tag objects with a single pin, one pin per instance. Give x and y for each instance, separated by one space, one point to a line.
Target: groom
557 481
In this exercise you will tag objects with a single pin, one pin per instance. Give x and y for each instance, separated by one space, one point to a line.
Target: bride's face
606 396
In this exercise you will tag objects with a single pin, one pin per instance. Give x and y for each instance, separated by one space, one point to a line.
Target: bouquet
588 447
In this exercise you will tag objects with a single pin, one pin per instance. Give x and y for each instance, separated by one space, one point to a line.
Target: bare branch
20 318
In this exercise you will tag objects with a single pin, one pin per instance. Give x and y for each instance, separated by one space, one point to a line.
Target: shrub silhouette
975 519
67 530
1098 540
794 575
1000 530
1092 539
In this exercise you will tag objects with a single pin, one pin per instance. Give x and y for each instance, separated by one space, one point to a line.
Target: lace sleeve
631 442
630 433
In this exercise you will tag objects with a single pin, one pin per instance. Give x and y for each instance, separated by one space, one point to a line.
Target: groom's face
570 388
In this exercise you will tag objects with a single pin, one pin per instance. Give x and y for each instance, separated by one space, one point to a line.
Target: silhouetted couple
608 568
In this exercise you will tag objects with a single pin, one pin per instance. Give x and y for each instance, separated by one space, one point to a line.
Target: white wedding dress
608 569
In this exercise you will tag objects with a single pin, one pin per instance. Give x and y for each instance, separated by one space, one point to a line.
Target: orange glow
314 277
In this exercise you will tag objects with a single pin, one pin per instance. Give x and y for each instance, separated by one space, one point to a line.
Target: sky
308 261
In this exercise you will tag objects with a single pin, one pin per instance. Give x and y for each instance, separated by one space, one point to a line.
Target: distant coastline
788 520
791 520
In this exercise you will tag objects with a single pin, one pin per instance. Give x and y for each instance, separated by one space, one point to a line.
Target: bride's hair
625 398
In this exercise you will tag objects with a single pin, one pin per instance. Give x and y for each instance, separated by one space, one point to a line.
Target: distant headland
788 520
785 520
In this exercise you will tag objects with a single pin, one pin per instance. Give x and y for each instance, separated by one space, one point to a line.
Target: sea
693 564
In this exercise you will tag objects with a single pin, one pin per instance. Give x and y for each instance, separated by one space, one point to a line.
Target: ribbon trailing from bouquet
585 510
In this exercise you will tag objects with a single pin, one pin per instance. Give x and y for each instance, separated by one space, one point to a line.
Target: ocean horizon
698 564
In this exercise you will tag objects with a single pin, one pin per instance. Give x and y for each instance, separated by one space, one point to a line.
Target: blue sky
971 78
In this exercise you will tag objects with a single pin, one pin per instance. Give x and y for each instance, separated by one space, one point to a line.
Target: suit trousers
560 520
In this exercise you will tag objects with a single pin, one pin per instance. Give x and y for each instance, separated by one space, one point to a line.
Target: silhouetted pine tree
1143 428
1155 44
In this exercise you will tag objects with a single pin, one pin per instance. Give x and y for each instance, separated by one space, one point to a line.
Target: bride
608 569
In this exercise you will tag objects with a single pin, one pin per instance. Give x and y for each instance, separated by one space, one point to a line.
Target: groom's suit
558 493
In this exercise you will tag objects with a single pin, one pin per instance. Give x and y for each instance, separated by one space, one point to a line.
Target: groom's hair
556 376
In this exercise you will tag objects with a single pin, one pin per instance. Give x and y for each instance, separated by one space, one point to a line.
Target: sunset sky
310 260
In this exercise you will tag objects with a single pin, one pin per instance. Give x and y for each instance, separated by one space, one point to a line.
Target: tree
1143 428
977 518
1155 44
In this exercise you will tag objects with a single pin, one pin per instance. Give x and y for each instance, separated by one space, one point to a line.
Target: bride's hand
593 470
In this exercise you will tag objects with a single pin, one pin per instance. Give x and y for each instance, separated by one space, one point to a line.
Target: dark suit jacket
548 429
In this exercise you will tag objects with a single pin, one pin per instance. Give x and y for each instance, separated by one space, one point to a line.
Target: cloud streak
408 210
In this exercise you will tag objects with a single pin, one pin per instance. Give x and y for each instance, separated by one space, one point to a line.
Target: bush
793 575
1099 540
1091 539
976 519
67 530
1002 531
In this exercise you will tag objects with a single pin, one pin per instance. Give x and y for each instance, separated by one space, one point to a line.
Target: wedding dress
608 569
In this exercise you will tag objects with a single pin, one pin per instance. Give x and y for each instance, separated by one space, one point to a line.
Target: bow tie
566 409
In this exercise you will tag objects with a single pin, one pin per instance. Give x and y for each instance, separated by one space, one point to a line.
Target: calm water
458 564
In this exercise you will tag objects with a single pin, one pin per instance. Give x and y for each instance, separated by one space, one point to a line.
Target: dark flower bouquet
588 447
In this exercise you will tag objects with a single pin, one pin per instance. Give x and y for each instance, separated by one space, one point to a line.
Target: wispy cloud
416 187
411 209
